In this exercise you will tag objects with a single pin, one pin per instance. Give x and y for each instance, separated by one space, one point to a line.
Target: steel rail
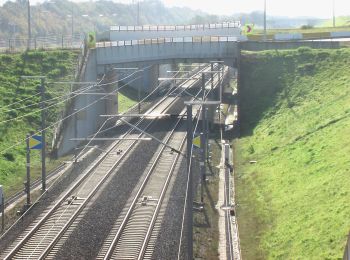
113 245
137 196
80 181
159 204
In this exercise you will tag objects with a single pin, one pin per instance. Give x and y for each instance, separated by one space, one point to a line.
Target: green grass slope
56 65
294 203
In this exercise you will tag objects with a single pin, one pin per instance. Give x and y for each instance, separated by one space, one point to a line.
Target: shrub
306 26
9 156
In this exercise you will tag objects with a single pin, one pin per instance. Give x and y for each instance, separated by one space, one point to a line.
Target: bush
9 156
306 26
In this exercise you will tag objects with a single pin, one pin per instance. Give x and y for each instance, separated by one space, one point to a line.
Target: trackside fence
46 43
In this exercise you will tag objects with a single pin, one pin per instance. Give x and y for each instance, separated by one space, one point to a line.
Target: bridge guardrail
196 39
46 43
190 27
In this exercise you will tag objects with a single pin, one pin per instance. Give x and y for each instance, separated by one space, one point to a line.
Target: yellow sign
197 141
248 28
91 40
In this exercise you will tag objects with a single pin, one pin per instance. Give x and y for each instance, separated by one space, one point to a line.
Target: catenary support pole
27 183
202 166
189 202
43 126
76 135
2 208
29 26
203 141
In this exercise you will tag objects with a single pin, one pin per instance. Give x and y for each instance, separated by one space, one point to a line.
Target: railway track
135 232
42 235
130 236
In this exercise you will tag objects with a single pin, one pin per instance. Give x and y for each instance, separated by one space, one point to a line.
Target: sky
291 8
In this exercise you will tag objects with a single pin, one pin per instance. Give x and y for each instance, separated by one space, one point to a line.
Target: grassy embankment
57 66
327 27
14 125
294 202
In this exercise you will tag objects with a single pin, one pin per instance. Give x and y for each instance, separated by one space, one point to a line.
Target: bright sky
315 8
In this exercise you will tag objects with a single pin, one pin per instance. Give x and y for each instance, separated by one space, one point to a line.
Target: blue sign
35 142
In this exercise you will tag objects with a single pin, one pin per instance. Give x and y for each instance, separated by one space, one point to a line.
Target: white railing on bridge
196 39
177 27
47 42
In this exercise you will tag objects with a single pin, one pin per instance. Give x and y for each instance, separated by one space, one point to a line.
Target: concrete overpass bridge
168 50
125 47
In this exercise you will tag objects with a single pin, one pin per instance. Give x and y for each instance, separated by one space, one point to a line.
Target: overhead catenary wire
63 119
186 193
68 206
57 103
151 93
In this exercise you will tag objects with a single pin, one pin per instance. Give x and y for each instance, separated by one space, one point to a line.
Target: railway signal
43 127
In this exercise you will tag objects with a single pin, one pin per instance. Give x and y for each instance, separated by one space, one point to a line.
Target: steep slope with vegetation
292 159
20 107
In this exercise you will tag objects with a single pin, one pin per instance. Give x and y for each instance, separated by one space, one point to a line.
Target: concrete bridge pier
87 108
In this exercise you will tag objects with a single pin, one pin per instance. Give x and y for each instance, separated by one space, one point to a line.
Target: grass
128 97
328 27
339 21
295 121
57 66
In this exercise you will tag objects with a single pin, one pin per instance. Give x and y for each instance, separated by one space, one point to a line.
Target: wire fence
46 43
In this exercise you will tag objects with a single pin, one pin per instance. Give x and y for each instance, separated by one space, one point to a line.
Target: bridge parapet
119 33
190 27
187 39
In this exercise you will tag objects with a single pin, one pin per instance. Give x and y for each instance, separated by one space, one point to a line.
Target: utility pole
139 98
27 183
265 36
2 208
43 126
189 202
139 90
29 26
333 13
203 140
72 28
76 135
138 12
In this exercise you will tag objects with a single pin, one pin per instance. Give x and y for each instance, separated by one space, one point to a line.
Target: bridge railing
196 39
190 27
47 42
